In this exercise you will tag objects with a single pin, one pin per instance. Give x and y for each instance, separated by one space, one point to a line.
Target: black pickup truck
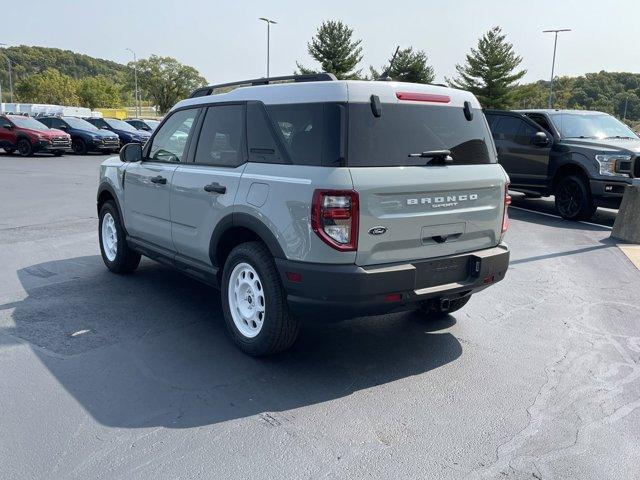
584 158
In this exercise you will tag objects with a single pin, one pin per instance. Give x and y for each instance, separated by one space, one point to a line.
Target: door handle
159 179
215 187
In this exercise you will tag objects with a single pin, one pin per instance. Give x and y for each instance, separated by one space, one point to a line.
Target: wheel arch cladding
237 228
569 168
105 193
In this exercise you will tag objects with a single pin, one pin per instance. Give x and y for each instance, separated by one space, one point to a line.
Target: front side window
507 128
408 129
540 120
525 134
221 141
170 141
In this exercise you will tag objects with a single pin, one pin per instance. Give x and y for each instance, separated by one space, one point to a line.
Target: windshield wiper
621 136
444 156
581 136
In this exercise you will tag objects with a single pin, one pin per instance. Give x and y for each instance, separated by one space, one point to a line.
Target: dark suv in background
584 158
85 137
143 124
126 132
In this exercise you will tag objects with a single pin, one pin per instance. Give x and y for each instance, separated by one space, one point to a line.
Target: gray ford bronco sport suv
306 196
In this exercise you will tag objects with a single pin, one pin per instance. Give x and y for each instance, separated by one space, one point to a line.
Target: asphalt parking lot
134 377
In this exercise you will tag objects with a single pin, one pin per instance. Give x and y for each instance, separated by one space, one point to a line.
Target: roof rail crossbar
312 77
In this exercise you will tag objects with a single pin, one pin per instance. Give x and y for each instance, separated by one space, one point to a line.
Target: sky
225 40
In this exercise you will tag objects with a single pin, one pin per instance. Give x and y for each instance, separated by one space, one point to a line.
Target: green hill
27 61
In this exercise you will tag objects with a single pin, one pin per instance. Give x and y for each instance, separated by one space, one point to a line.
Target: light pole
268 22
135 76
10 79
553 64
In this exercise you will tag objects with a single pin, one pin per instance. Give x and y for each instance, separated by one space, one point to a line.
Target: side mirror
63 127
131 152
8 126
104 128
540 139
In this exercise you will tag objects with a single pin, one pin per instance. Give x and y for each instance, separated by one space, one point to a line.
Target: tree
100 91
49 87
408 66
489 71
333 48
165 80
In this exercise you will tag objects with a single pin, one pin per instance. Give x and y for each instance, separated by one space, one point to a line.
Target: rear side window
310 132
387 141
221 142
261 137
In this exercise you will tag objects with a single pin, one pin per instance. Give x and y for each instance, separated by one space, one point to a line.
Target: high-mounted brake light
334 218
505 215
423 97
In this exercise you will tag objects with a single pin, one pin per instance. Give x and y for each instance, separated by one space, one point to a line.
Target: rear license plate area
441 272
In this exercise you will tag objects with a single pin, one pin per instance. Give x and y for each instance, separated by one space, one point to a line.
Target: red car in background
28 136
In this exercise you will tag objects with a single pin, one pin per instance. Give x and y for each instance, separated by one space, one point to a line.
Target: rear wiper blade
443 155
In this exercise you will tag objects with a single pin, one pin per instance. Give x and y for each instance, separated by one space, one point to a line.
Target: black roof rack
312 77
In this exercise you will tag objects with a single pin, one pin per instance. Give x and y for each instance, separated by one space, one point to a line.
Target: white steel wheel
109 237
246 300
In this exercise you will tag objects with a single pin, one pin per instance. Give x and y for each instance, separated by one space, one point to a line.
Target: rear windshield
401 130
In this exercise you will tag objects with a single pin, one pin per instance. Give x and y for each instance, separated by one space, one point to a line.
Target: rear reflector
423 97
294 277
488 279
393 297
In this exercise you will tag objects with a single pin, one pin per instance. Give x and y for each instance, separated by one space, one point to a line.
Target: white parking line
558 216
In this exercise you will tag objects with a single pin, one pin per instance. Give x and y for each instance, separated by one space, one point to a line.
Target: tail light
505 215
334 218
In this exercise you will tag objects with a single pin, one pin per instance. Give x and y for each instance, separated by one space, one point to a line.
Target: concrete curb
627 225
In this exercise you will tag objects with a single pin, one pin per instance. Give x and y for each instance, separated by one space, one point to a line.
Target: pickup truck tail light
335 218
505 215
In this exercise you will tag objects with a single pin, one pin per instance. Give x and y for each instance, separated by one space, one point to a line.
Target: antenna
385 76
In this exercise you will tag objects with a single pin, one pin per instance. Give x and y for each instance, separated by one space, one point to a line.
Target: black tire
573 198
126 260
431 308
79 146
280 328
25 149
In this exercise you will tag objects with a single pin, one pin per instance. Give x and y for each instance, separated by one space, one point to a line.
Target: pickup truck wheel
573 198
116 254
254 302
432 308
25 148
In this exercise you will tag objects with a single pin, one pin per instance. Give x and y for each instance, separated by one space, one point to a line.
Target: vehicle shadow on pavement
604 217
150 349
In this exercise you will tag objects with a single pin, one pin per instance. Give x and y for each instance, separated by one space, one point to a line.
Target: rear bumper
335 292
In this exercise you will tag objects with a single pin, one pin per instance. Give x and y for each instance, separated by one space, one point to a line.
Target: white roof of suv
354 91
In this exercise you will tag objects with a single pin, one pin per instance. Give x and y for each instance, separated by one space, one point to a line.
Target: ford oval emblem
377 230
